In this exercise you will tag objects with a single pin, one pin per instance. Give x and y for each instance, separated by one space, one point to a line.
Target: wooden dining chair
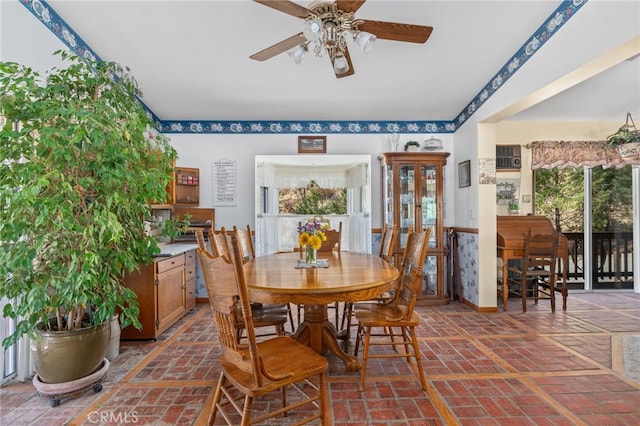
334 239
261 318
248 252
387 244
535 275
253 369
218 241
399 313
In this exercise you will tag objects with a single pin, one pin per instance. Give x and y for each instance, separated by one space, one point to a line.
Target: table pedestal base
317 332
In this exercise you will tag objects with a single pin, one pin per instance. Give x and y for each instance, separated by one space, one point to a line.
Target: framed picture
464 174
312 144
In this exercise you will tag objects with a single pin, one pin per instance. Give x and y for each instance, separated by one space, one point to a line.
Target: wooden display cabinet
413 195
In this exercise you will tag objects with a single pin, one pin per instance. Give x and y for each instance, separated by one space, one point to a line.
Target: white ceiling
191 59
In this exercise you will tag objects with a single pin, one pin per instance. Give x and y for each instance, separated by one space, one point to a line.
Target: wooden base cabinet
166 291
413 195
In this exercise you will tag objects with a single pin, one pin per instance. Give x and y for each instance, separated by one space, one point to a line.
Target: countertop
174 249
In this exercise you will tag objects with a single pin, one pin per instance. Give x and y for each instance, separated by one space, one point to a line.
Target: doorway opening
347 176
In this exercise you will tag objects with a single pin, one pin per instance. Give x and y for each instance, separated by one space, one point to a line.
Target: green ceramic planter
63 356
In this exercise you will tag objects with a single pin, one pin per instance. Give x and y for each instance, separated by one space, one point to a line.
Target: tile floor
579 367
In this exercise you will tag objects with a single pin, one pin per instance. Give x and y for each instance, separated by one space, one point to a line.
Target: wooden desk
512 231
351 277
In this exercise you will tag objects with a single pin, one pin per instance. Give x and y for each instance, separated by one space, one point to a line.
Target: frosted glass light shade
297 53
366 41
312 29
340 64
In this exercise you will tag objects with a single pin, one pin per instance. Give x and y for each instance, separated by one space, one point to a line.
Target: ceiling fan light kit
329 26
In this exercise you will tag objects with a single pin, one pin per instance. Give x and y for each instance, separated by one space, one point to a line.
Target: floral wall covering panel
468 250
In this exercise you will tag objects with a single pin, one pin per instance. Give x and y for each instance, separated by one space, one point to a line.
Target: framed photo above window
312 144
464 174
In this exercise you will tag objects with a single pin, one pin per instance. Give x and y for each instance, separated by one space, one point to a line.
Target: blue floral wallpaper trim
307 127
558 18
567 8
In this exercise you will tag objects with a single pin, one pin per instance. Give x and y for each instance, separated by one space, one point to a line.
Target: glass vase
310 255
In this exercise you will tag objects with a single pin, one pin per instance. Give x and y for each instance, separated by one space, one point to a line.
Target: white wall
25 40
202 150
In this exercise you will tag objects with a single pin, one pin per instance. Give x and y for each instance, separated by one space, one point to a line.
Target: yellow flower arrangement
311 234
310 238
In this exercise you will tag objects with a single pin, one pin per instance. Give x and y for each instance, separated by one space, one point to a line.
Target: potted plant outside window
79 168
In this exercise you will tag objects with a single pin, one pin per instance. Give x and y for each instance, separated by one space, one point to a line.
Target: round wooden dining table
350 277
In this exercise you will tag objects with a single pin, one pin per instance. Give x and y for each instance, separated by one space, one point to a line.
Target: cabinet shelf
186 187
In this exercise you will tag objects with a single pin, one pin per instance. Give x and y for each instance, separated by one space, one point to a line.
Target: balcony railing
612 265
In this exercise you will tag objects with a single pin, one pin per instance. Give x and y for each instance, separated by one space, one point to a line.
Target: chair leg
246 411
347 312
416 351
523 291
365 356
325 408
358 336
406 339
216 399
293 327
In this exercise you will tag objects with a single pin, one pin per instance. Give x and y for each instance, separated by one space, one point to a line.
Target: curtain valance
324 176
561 154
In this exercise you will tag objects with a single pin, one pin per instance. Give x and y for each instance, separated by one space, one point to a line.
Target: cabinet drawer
190 265
190 258
168 264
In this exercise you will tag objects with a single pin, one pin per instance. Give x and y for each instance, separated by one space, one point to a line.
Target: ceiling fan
327 27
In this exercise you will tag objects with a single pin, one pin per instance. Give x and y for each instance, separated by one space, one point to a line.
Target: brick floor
533 368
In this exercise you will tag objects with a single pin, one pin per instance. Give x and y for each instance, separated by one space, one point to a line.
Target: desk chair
261 318
396 314
254 369
536 269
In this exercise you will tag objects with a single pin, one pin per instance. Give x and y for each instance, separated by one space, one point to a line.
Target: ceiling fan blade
287 7
349 5
396 31
351 71
279 48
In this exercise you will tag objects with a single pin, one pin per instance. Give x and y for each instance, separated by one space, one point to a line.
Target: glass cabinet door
388 195
428 195
407 200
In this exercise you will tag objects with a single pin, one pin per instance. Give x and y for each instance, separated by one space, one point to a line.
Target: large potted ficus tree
79 169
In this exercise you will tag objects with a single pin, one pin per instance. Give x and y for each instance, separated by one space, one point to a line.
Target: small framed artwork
464 174
312 144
